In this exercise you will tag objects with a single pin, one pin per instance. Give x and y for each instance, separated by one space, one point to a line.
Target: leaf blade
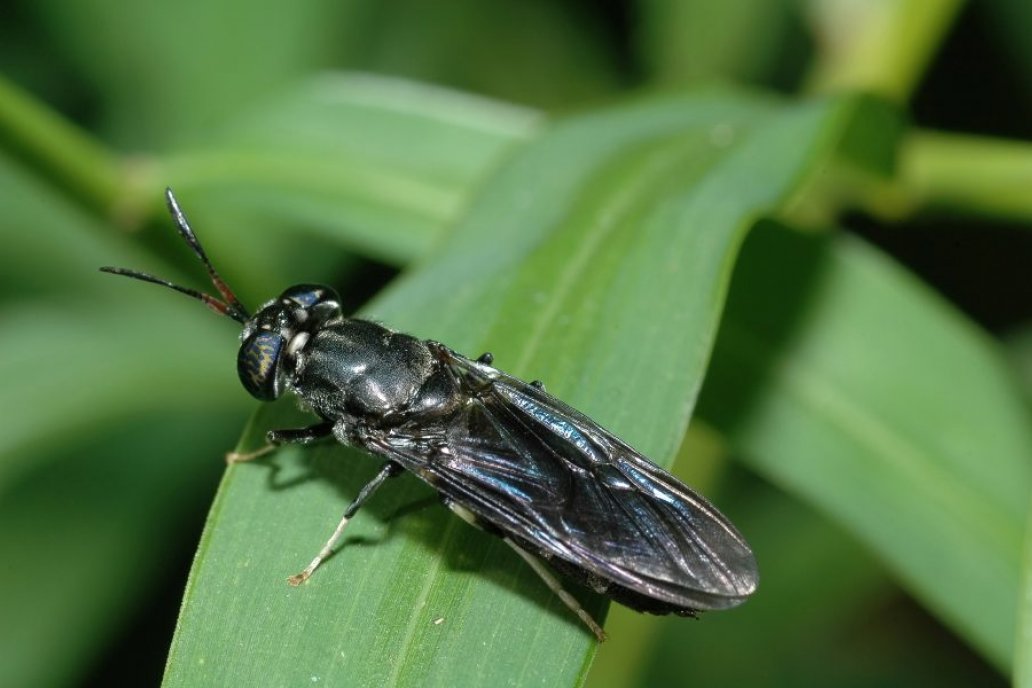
431 590
855 411
380 165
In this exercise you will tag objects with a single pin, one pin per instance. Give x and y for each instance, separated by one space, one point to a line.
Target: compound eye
258 365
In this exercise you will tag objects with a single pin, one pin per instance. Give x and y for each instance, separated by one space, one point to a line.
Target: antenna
230 306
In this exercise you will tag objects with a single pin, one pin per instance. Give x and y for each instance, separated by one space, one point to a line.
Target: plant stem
936 170
61 151
970 173
878 46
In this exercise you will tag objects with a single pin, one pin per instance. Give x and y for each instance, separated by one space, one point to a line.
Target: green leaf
812 573
86 532
596 260
826 614
96 470
168 73
840 582
875 401
55 390
1019 352
70 356
1023 644
1018 345
98 369
381 165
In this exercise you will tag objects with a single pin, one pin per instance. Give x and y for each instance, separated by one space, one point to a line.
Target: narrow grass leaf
596 260
842 379
88 531
78 347
381 165
1023 641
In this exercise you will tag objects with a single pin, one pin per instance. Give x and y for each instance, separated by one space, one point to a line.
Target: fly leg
388 471
275 438
555 586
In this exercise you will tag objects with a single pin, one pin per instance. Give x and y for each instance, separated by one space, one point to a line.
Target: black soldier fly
503 454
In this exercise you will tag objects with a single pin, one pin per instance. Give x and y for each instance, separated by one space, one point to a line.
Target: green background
780 246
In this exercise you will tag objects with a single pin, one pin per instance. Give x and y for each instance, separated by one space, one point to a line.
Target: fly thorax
362 370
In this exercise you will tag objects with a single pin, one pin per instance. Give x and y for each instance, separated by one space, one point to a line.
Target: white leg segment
555 586
326 550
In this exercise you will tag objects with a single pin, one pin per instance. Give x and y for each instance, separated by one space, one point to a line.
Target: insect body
503 454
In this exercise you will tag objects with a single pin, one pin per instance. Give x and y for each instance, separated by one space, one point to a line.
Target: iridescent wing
560 485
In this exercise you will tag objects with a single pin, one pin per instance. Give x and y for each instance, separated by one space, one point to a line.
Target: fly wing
546 474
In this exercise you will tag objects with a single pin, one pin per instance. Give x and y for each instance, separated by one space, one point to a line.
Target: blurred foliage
561 183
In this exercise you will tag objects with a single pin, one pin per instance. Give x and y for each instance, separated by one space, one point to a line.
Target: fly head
273 340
